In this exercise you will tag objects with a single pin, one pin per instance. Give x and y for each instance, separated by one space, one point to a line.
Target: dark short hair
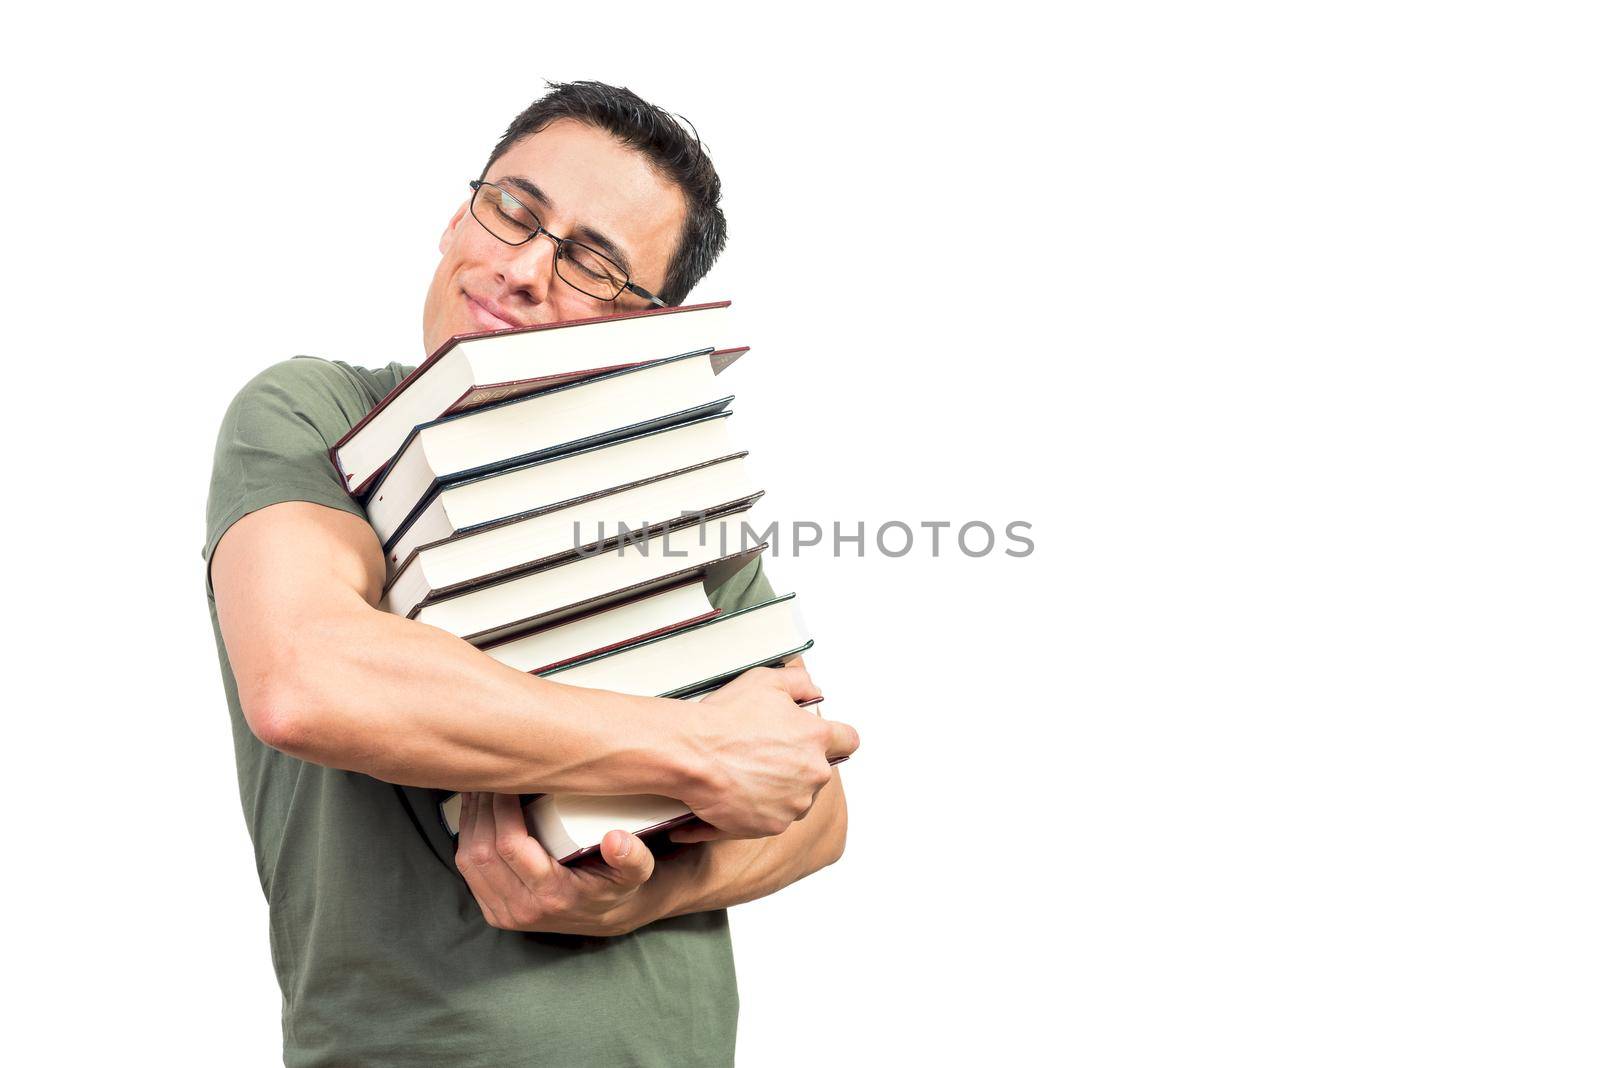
675 153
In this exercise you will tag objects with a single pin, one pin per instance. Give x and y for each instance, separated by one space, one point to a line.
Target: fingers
842 740
630 861
701 831
466 821
496 855
487 877
520 886
516 848
797 681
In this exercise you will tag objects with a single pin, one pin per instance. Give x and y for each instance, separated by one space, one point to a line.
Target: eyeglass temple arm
641 291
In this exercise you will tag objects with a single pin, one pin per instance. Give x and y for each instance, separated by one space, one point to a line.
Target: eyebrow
527 187
587 235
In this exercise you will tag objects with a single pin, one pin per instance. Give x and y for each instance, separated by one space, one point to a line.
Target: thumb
842 740
630 859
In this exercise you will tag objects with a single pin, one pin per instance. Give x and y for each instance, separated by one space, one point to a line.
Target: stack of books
563 497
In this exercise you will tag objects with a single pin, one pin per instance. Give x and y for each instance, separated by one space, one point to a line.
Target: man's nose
531 269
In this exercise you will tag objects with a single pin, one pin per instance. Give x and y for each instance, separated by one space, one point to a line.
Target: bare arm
720 874
327 677
520 887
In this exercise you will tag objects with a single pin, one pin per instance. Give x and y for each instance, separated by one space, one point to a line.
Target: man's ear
450 227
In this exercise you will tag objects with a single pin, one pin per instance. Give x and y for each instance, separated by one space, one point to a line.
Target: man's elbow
300 715
295 693
281 718
279 726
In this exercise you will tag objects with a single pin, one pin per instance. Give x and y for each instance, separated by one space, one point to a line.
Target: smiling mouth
486 318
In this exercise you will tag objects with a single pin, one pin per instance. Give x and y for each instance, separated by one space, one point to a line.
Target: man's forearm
324 675
404 702
720 874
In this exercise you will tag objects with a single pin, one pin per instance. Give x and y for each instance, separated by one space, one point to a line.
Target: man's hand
520 887
771 757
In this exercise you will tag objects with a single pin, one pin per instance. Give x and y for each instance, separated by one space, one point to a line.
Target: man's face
584 185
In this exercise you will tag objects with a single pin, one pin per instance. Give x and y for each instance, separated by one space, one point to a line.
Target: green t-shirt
380 949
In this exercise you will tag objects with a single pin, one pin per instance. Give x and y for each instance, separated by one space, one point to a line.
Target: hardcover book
572 826
590 635
610 407
672 501
472 370
469 504
524 601
687 663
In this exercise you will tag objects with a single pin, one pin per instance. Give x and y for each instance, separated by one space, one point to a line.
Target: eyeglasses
589 271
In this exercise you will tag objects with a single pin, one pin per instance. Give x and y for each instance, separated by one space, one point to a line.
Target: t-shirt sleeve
273 445
744 588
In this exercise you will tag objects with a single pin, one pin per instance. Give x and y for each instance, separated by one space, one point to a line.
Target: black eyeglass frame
562 243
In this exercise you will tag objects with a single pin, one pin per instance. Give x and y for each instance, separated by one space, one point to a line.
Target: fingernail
627 844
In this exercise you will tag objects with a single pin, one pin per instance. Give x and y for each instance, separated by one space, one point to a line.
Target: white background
1277 322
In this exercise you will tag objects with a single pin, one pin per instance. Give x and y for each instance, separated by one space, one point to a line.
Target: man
393 945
